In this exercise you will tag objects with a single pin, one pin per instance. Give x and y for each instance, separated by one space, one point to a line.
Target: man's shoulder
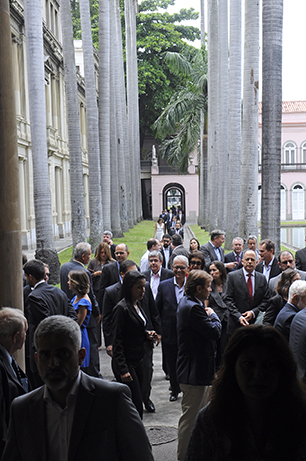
113 288
27 400
229 257
235 275
102 386
302 251
164 283
166 273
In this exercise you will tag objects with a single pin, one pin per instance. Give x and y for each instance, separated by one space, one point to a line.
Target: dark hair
270 245
282 252
285 282
198 243
176 240
103 246
80 280
167 236
220 266
216 233
124 265
199 255
194 279
227 402
36 268
151 243
129 281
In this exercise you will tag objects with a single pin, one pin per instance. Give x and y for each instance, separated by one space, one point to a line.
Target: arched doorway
174 196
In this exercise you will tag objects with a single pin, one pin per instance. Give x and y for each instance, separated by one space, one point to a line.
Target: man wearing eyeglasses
170 292
285 261
196 261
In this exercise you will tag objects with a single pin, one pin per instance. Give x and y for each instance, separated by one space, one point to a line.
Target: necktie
23 381
250 289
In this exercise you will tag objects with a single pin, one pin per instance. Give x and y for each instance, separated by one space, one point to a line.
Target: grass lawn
137 238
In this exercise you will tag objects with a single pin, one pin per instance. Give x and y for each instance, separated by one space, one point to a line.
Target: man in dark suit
236 255
285 261
43 301
296 302
110 274
198 328
166 249
107 238
247 293
268 265
169 294
101 423
157 273
177 249
297 341
81 257
300 258
13 381
213 250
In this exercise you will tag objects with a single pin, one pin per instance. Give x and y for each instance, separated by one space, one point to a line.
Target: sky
294 45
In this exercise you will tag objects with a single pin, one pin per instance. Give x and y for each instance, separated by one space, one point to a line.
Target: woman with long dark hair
129 335
257 409
216 302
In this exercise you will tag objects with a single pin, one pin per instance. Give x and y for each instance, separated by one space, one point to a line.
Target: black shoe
173 397
149 406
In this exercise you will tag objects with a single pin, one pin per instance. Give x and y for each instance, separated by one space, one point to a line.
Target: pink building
293 162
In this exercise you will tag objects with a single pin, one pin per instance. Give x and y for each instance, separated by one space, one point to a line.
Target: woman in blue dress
78 282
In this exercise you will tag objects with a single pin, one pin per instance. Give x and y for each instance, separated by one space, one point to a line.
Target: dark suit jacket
284 318
164 275
129 336
237 297
112 296
105 426
196 336
210 255
216 302
274 271
46 300
300 259
275 305
167 306
297 341
179 250
110 276
10 388
231 257
170 253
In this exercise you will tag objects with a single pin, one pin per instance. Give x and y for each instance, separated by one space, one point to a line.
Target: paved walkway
161 426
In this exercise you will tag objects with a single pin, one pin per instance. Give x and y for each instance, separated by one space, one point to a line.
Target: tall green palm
95 205
272 20
37 105
203 147
78 222
179 123
234 124
248 224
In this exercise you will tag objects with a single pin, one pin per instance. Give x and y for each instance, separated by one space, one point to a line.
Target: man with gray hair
156 273
13 381
107 238
296 302
73 416
169 294
236 255
81 257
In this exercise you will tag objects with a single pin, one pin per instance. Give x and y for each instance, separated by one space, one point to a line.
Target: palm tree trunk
272 21
95 199
203 158
213 112
234 124
78 222
249 157
37 106
104 109
223 112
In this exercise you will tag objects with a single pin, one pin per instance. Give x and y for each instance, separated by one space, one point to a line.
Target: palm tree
37 106
272 21
75 151
223 112
203 147
104 108
234 123
95 199
179 123
249 158
213 113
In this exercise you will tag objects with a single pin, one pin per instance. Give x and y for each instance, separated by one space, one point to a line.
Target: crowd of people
232 328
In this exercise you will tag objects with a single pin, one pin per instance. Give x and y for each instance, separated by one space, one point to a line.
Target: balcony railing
290 166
